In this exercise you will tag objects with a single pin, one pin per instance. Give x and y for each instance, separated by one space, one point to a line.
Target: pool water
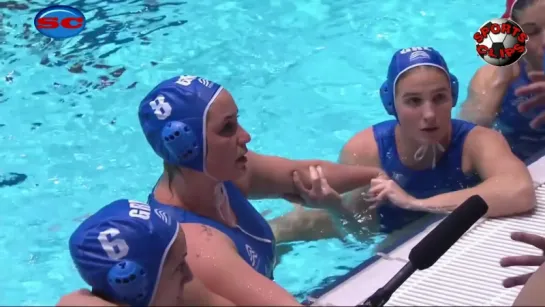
304 73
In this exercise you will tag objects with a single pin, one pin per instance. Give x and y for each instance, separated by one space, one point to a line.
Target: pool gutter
430 287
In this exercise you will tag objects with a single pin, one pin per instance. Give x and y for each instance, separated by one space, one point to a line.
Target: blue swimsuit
253 237
514 126
447 176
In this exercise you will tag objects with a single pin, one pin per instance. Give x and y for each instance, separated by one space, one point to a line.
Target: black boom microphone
433 246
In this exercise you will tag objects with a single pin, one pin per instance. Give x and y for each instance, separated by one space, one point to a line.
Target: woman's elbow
527 197
523 199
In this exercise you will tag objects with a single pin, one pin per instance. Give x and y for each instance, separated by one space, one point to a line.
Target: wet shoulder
478 137
479 141
361 149
199 234
207 250
198 230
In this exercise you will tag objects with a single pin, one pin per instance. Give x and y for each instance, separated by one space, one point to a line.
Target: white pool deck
467 275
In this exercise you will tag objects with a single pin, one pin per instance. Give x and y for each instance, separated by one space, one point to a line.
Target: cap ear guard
129 282
387 95
181 141
387 98
454 86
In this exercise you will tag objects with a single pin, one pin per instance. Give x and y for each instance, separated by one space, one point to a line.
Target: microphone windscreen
450 230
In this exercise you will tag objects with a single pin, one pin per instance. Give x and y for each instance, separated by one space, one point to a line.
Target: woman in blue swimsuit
134 255
209 174
511 99
433 163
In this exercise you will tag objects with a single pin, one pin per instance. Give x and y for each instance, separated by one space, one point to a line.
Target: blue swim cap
173 118
121 249
405 59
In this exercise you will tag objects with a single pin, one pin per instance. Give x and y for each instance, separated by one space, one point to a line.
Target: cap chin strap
423 149
219 194
204 141
205 171
220 198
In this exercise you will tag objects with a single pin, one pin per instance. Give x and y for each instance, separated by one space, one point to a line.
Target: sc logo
59 21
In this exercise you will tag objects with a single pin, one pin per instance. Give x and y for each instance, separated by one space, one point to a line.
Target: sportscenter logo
59 21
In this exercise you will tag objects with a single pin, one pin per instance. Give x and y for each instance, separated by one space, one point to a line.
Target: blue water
304 73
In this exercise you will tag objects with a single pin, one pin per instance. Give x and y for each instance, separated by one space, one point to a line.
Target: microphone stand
382 295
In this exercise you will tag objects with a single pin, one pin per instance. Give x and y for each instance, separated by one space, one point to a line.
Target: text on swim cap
418 55
186 80
161 108
118 248
413 49
139 210
114 248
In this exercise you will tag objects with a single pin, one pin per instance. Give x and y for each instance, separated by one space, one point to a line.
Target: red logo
500 42
53 23
59 21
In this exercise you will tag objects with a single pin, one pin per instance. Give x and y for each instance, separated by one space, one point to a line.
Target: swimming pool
304 73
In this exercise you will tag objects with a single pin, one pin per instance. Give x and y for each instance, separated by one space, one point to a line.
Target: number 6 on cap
116 248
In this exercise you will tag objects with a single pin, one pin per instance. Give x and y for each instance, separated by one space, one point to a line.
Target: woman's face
532 21
174 275
226 140
423 102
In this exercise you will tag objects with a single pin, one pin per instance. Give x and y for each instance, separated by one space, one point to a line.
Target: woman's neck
417 155
204 196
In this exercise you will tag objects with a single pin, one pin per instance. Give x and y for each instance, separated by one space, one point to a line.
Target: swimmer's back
252 238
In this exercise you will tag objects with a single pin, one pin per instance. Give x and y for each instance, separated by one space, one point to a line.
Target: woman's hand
383 189
537 89
526 260
320 195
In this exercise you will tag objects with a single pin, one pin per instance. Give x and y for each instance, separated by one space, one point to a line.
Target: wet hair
171 171
520 6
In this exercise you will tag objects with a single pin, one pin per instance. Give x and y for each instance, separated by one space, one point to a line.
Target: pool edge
536 166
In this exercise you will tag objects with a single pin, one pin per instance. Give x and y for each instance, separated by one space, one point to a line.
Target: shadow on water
11 179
